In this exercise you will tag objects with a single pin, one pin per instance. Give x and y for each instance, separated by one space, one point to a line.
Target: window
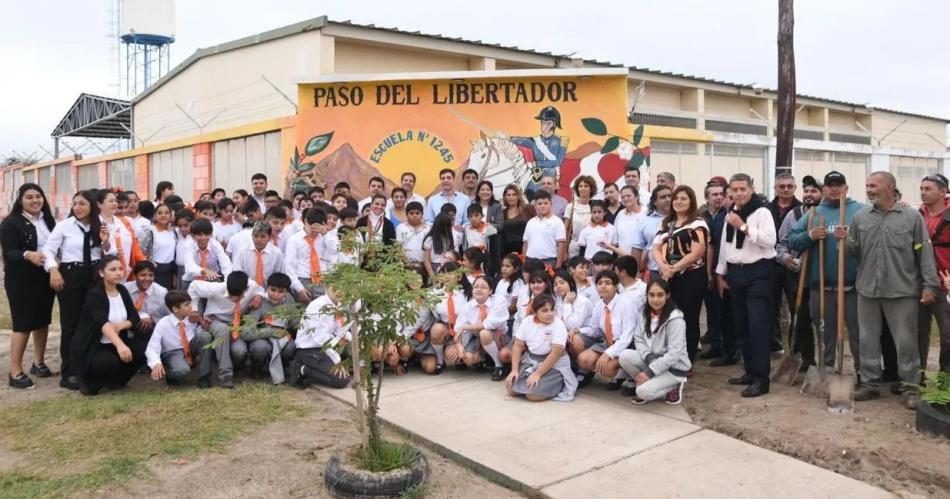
88 177
64 184
122 173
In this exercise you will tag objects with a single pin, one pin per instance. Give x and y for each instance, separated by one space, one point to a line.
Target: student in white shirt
510 285
159 242
122 236
544 236
631 286
226 303
143 217
580 272
477 233
176 346
571 307
607 332
410 235
276 217
413 339
148 296
271 344
225 226
659 363
473 264
319 337
454 292
441 238
185 246
310 254
539 369
538 282
206 259
262 259
483 328
628 221
599 235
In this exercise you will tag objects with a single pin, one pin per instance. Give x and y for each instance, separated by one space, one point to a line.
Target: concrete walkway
599 445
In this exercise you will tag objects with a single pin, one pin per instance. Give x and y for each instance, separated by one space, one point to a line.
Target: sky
884 53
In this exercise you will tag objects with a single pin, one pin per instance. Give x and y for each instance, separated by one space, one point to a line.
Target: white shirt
260 202
590 291
223 232
411 239
165 338
759 241
239 241
627 225
436 257
186 245
478 238
501 290
154 304
141 224
579 215
66 240
216 260
218 305
318 327
117 313
441 309
298 256
497 318
273 262
542 236
623 320
592 235
637 295
42 231
539 337
164 243
573 314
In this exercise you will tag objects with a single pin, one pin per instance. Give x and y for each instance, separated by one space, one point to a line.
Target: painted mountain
345 165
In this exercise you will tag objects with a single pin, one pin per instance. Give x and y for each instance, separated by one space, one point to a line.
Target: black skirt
30 297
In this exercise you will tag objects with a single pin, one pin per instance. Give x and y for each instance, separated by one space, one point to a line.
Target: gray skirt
598 345
550 384
423 347
469 340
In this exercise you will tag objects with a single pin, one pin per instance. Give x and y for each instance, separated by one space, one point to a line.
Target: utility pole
786 87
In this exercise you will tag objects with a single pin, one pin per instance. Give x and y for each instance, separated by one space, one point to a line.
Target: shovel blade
841 394
815 383
786 371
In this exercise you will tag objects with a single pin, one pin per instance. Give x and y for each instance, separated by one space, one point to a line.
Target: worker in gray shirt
896 272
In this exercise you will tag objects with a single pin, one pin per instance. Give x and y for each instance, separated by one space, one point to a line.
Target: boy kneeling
317 360
177 346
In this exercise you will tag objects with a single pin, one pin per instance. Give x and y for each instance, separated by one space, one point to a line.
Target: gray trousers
901 315
940 310
315 291
230 354
177 368
631 361
854 327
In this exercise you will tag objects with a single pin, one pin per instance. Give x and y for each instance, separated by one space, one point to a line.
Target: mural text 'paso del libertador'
401 94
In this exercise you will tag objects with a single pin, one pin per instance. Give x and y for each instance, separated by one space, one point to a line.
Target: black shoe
614 385
757 388
86 390
712 353
171 382
21 382
204 382
745 379
70 383
226 383
438 369
584 379
40 370
705 339
498 373
482 367
725 360
629 390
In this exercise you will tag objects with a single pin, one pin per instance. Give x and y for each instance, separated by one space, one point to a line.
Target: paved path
599 445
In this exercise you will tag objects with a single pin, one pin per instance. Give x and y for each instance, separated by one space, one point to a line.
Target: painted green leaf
296 160
637 159
318 143
306 166
638 135
610 145
648 161
594 126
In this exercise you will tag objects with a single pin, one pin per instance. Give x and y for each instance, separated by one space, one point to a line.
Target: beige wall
727 106
656 97
910 135
353 58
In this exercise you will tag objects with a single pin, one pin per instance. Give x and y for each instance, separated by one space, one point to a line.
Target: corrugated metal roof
322 21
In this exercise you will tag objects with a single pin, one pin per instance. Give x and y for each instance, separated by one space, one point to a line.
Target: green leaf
648 161
595 126
638 135
318 143
637 159
610 145
306 166
296 159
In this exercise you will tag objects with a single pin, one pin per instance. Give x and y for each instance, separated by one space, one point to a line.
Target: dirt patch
287 460
877 444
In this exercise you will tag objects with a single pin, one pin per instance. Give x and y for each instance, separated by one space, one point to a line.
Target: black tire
345 483
932 421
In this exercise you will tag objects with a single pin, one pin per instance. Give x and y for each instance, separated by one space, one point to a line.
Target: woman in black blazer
107 349
22 235
381 224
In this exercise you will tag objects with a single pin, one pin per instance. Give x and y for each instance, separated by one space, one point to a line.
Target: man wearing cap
802 339
780 206
801 238
547 148
896 273
933 189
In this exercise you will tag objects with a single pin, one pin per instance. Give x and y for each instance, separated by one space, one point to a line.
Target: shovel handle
840 297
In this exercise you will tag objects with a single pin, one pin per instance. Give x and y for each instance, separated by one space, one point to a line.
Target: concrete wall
912 134
354 58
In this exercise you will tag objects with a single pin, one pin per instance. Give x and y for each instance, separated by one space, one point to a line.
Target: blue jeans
751 299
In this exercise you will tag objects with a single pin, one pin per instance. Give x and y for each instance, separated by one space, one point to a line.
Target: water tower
147 30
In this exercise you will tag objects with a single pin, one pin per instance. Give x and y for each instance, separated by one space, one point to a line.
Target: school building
229 110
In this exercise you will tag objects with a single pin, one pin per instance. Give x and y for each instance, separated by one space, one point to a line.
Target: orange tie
341 320
118 247
314 261
608 327
236 322
482 312
420 335
140 301
260 268
184 343
530 309
202 262
451 309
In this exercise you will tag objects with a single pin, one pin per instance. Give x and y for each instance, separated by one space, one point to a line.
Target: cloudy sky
890 54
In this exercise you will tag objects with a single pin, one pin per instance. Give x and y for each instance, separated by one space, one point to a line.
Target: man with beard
802 339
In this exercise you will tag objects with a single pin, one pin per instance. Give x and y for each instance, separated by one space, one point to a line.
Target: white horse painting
498 160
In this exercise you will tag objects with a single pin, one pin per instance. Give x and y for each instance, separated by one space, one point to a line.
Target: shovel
815 376
787 370
840 387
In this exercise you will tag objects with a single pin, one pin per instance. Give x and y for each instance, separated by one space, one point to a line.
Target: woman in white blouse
577 214
159 243
121 232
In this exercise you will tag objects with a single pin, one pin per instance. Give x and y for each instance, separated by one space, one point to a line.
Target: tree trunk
358 379
786 87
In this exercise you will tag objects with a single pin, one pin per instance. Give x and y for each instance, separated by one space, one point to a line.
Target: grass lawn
82 444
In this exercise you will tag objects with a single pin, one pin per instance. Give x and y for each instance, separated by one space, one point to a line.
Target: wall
356 59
